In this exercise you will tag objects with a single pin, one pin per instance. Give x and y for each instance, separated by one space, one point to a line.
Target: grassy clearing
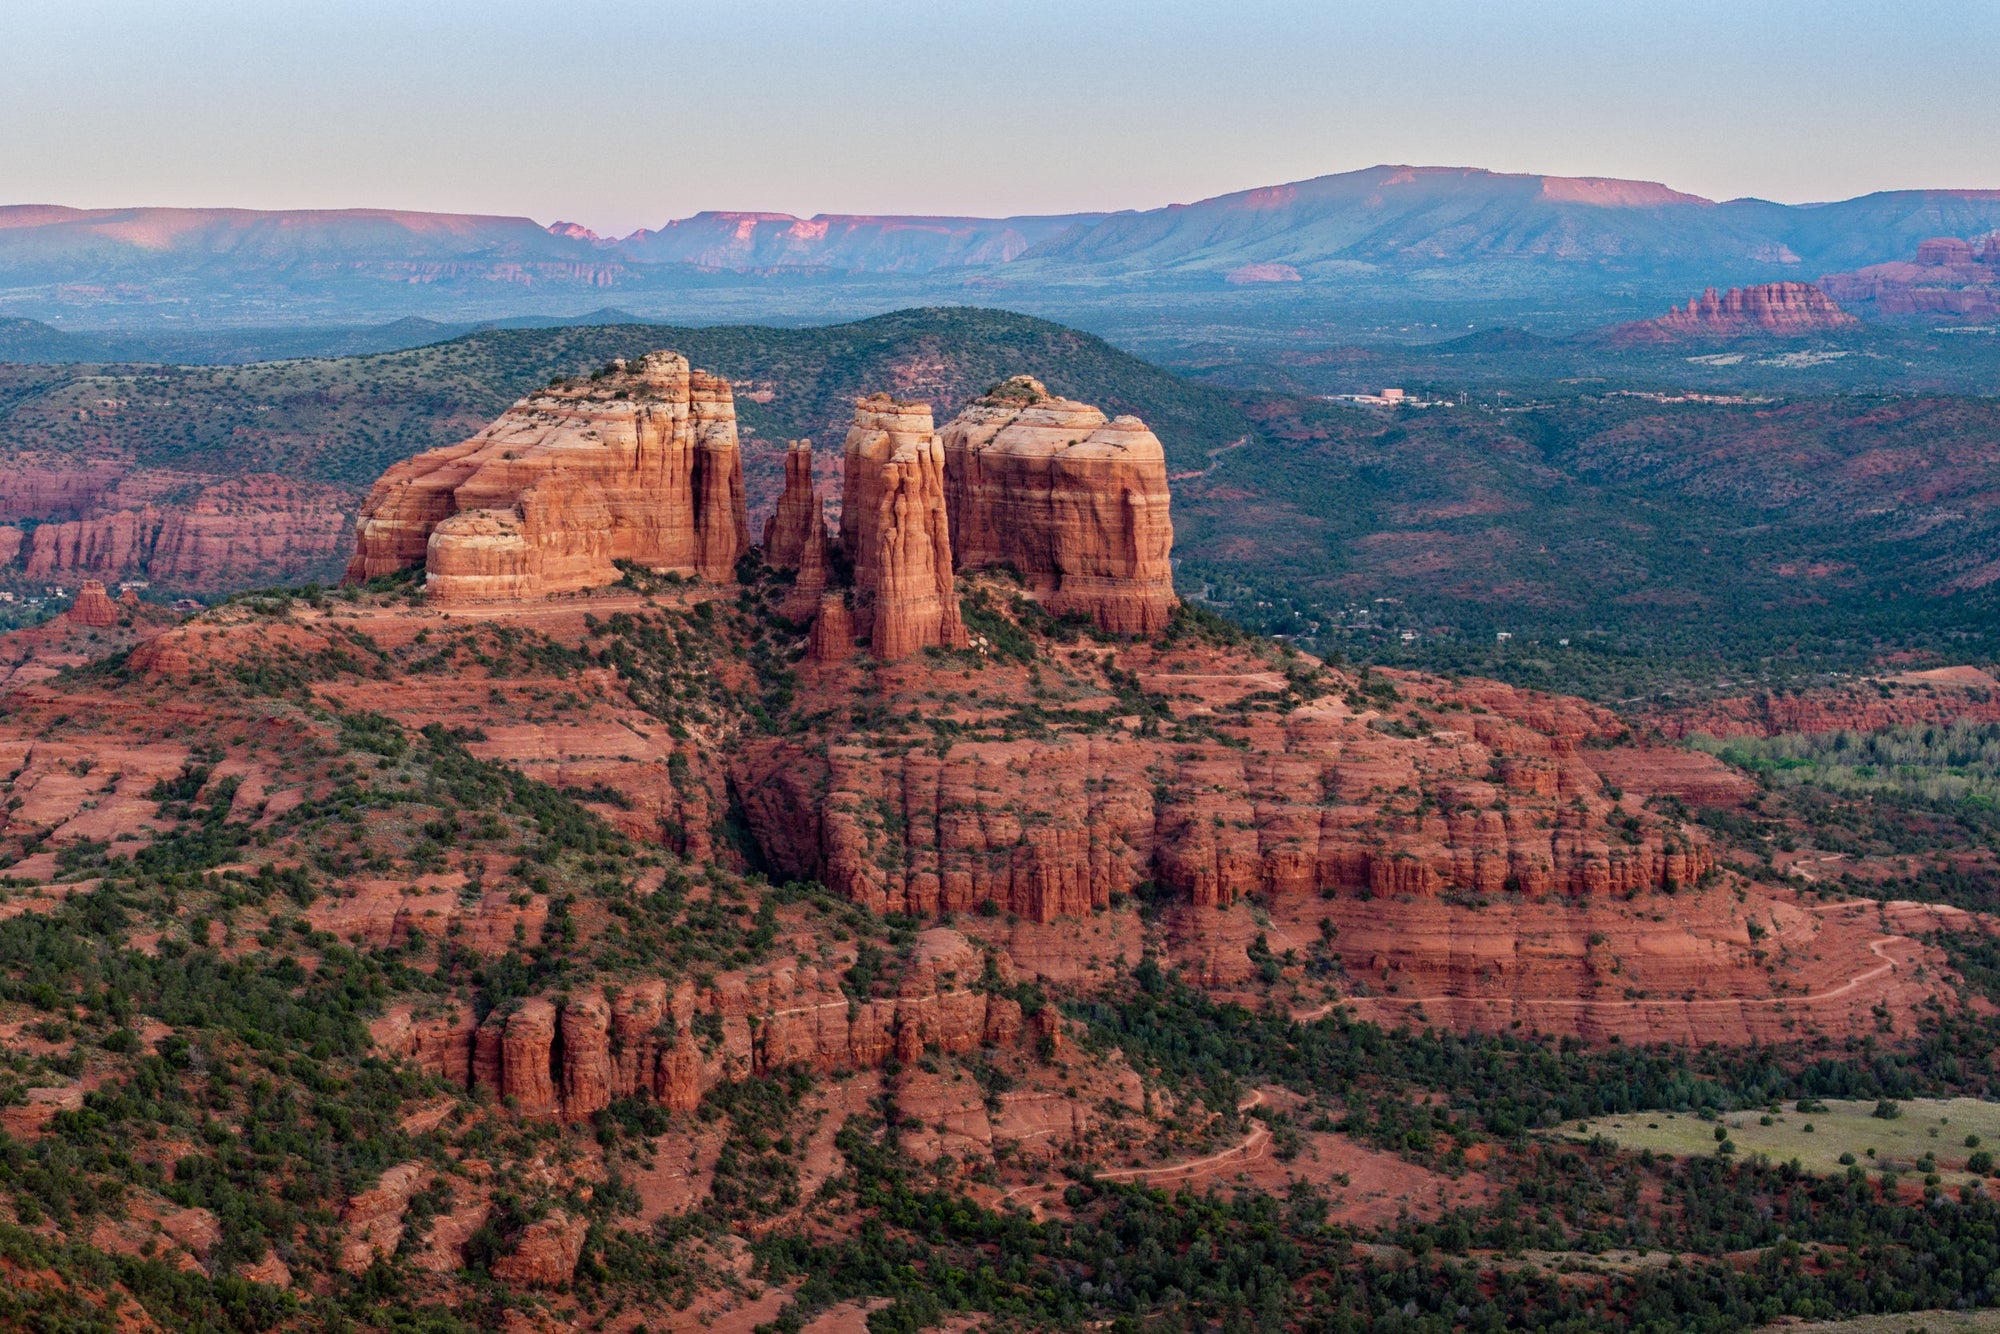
1935 1126
1921 1322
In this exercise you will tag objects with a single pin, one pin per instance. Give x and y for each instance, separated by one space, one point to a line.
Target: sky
622 113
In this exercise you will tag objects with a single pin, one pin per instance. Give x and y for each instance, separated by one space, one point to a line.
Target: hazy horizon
647 112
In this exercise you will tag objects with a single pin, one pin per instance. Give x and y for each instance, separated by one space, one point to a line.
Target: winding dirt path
1215 458
1251 1149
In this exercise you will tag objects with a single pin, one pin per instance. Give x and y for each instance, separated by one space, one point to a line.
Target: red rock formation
1950 278
245 531
814 571
527 1067
92 606
1057 827
545 1254
1776 309
780 1017
588 1079
1077 505
832 638
786 531
896 529
639 464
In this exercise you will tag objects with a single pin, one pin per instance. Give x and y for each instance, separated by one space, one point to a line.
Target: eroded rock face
93 606
832 638
896 529
640 464
1318 803
232 533
1075 503
643 1041
787 530
545 1254
1776 309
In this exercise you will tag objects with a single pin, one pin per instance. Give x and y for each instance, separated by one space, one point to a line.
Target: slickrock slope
1772 309
639 464
1075 503
897 531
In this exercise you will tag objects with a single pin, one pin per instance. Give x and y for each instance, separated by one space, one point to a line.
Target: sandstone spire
1075 503
893 520
638 463
785 531
811 581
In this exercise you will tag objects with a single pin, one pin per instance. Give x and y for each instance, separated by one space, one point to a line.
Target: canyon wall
897 532
173 529
639 463
1076 504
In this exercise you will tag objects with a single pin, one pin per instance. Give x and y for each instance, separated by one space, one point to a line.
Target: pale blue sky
620 113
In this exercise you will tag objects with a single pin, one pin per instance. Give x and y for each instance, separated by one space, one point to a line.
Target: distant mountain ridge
1423 231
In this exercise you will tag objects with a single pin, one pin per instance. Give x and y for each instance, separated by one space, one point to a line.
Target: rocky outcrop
1076 504
639 463
832 638
546 1252
1769 309
93 606
896 530
790 525
641 1040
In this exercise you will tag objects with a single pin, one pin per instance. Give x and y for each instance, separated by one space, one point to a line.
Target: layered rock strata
1774 309
644 1039
638 464
897 531
1074 503
93 606
1316 803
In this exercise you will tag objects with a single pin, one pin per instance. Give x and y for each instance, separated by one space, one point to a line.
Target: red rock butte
637 463
1777 309
1075 503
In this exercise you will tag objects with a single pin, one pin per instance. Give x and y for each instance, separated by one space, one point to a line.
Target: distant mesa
1074 503
1262 273
639 463
1768 309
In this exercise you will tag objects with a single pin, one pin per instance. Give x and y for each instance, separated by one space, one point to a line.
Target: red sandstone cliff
1773 309
642 1041
1317 800
896 529
245 531
638 464
1075 503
